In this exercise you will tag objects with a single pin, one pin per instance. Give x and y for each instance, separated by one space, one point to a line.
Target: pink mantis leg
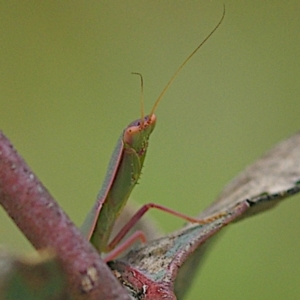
140 235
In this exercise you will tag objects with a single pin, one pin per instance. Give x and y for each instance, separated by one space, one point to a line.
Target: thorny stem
46 225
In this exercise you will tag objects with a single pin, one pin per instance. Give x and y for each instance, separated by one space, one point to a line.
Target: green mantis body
123 173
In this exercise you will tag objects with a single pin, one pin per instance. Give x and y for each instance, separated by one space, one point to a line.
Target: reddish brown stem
45 225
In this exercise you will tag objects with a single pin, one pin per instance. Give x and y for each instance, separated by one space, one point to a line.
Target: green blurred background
67 93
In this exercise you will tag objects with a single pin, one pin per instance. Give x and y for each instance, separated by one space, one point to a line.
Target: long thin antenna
183 64
142 98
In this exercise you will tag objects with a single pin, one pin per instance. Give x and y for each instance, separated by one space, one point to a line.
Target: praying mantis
123 172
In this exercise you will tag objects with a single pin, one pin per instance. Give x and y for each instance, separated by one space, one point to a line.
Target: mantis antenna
183 64
142 98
